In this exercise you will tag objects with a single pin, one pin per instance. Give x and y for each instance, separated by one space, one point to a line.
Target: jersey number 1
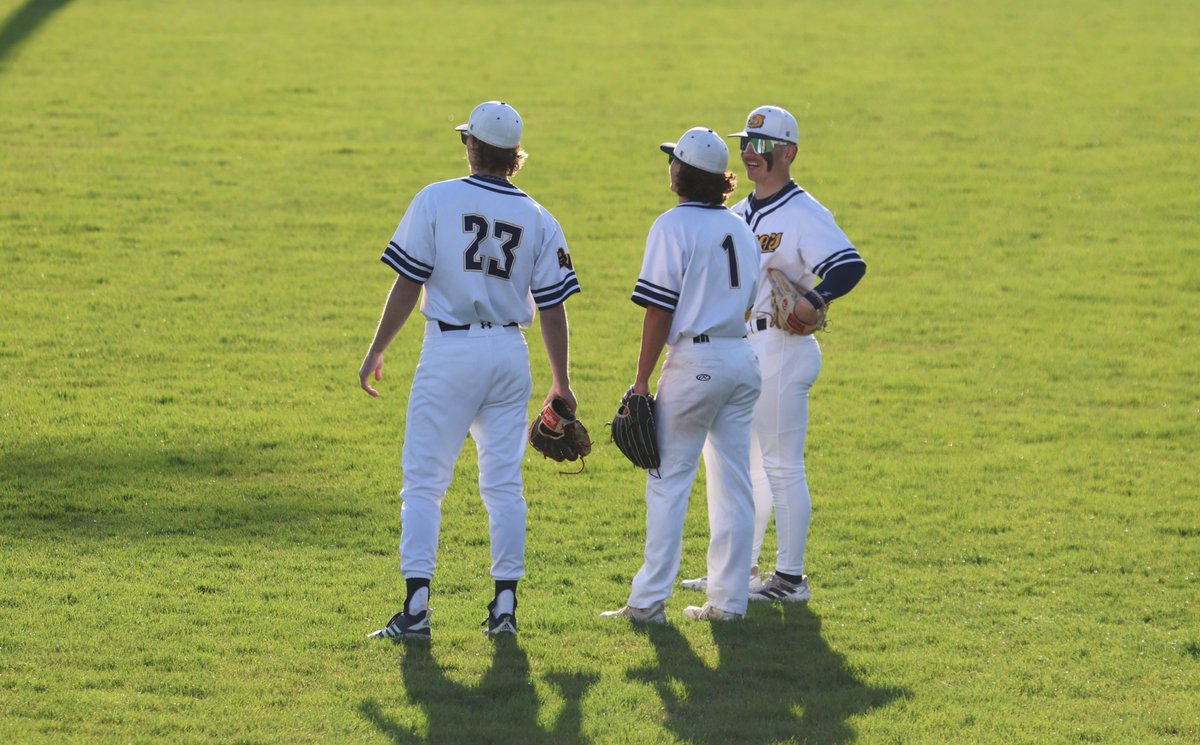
509 237
734 280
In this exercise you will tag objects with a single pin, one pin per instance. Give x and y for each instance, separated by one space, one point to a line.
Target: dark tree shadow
502 708
776 679
23 21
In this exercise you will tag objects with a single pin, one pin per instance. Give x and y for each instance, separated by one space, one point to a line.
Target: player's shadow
502 708
23 21
776 679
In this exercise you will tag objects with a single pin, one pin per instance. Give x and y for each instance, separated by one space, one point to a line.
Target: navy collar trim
493 184
788 188
493 180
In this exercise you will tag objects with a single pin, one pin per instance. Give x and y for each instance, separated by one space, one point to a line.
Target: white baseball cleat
700 584
710 612
779 590
656 613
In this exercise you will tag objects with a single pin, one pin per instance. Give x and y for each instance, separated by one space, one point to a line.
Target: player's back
720 271
487 237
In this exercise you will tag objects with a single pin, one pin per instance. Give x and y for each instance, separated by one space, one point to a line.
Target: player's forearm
555 335
840 280
655 328
400 303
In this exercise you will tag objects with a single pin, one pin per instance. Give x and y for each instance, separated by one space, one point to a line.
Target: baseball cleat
710 612
700 584
656 613
779 590
505 623
405 626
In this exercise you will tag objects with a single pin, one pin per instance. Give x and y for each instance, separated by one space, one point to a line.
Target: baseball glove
784 296
557 434
634 430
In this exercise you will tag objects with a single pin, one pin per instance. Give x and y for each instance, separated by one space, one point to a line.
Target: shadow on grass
502 708
101 490
23 21
776 679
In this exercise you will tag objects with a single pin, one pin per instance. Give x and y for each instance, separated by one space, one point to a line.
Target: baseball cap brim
668 148
761 136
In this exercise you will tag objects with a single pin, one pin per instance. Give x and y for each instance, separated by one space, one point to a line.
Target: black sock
795 579
411 588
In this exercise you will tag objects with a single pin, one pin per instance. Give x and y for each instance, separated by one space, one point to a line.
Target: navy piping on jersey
841 258
702 205
647 293
496 185
548 297
398 259
757 210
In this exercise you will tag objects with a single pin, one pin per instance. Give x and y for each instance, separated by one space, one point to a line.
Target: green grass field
199 508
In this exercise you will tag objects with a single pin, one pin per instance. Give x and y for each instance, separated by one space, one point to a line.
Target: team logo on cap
756 120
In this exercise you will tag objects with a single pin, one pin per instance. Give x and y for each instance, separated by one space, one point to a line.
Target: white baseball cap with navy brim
701 148
771 123
495 123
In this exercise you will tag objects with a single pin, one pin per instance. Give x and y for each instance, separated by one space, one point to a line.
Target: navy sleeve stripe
651 287
849 260
406 265
557 298
417 262
569 279
560 290
656 297
647 302
841 257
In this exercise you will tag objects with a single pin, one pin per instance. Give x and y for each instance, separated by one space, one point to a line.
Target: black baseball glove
634 430
558 435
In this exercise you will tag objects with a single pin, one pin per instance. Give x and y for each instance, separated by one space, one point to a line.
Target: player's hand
641 388
563 392
372 365
805 314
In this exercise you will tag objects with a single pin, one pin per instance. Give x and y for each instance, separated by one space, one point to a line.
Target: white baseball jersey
494 255
701 264
797 236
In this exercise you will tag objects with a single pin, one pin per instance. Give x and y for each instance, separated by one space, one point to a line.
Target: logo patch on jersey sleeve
769 242
564 259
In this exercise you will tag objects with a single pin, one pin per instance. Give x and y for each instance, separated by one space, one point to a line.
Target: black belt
761 324
482 324
704 339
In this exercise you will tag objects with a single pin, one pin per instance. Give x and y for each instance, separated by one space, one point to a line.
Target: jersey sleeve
553 273
412 248
824 246
661 278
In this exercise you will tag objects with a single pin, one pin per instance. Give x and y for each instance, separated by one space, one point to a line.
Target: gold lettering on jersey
564 259
769 242
756 121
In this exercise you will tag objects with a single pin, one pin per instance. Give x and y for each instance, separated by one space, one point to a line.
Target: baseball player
799 237
698 278
486 254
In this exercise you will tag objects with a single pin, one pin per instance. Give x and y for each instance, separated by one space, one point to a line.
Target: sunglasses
762 146
463 132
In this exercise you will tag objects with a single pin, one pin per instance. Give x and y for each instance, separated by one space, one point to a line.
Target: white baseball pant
705 403
475 381
790 366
